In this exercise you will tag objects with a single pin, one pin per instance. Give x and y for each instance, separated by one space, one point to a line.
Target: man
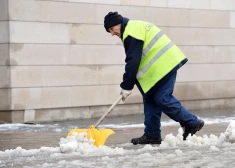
152 61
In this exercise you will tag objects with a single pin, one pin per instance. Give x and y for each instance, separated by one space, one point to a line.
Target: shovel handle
109 110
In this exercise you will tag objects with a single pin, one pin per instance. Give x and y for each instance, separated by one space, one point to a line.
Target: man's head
112 23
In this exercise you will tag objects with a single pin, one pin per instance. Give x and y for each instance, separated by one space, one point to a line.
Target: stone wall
57 62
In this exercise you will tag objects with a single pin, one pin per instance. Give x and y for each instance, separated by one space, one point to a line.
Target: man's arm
133 50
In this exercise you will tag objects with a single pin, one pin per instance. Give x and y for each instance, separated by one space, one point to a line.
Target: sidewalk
50 138
35 140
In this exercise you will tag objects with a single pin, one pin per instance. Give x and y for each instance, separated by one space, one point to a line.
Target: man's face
115 30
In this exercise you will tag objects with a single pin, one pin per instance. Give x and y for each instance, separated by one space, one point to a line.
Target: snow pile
76 142
230 132
178 152
192 141
19 151
80 144
214 148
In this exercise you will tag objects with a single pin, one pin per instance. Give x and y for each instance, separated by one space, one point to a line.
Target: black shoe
146 140
192 130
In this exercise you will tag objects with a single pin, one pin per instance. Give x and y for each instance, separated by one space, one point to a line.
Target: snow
178 152
198 141
77 142
230 132
214 148
81 145
77 151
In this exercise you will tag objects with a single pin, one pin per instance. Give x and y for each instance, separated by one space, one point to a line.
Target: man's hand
125 94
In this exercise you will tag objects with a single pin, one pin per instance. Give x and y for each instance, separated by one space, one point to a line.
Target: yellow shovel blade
100 136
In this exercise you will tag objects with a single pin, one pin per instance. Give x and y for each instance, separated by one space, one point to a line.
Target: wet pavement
31 136
35 140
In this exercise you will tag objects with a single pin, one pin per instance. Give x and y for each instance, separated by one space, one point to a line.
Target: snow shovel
102 134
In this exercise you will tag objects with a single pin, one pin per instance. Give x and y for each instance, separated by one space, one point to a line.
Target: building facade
57 62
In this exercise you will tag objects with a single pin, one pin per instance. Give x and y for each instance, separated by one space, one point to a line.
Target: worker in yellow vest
152 61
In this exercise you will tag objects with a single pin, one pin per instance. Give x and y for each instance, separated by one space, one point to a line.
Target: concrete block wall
5 92
57 62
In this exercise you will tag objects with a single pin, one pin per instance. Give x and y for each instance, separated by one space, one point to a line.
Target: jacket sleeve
133 49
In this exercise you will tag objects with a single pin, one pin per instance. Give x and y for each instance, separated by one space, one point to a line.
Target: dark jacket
133 49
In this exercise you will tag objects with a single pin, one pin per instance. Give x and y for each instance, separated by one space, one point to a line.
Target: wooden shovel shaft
109 110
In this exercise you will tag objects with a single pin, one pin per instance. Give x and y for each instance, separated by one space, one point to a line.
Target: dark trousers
160 101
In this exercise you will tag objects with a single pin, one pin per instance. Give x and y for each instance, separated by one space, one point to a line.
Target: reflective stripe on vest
152 42
159 54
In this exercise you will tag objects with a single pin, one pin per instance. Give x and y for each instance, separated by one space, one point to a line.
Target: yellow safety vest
159 55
